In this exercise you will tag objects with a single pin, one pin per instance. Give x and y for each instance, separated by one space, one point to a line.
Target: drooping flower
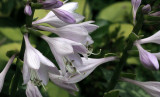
135 4
66 52
148 59
88 66
5 70
155 14
75 32
155 38
36 66
28 10
53 20
32 91
151 87
51 4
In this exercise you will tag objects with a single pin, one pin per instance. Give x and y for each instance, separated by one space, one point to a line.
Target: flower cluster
71 49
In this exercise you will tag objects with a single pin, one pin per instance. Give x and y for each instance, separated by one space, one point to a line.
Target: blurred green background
114 18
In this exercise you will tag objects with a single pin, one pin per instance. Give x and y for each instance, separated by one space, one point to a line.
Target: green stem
132 37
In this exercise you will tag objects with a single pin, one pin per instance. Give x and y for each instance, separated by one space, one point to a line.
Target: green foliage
114 93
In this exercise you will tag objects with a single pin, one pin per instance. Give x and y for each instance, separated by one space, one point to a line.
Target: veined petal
59 45
26 73
76 59
50 4
148 60
155 38
64 16
31 58
32 91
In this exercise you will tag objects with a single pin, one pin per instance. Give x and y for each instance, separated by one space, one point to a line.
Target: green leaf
8 47
116 12
113 93
9 29
125 29
55 91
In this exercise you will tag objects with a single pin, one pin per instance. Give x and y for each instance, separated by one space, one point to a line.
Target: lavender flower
148 59
151 87
135 4
28 10
75 32
66 53
88 66
5 70
53 20
146 9
36 66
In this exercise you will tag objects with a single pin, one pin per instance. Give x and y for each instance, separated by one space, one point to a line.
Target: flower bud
146 9
50 4
28 10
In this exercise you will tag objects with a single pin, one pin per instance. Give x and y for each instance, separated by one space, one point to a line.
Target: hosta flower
148 59
53 20
32 91
155 38
151 87
66 53
28 10
155 14
88 66
135 4
36 66
75 32
5 70
51 4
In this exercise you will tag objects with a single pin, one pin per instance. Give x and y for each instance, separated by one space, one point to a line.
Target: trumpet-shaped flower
75 32
135 4
53 20
155 38
32 91
36 66
88 66
151 87
28 10
66 52
5 70
148 59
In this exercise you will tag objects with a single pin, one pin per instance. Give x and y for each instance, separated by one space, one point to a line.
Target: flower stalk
132 37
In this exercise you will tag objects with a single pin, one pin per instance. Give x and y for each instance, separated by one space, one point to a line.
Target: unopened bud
146 9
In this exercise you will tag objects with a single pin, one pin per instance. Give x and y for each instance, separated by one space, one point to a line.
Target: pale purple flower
148 59
151 87
88 66
5 70
146 9
66 53
76 32
51 4
32 91
53 20
36 66
155 38
135 4
28 10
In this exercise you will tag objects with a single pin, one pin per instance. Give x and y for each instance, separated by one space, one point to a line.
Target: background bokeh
114 18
